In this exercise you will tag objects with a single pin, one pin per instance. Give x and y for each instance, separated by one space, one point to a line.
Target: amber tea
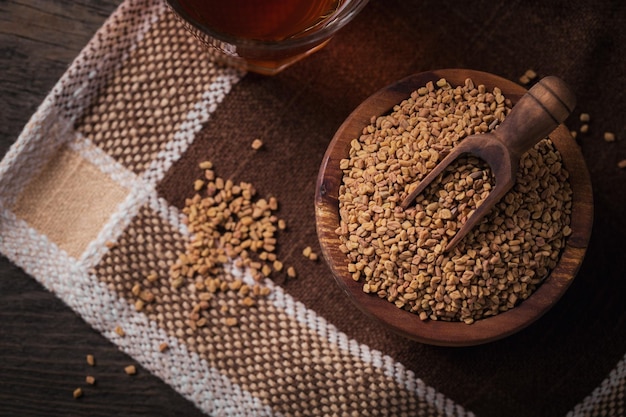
267 20
265 35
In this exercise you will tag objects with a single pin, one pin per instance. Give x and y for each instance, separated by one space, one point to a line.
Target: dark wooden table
43 343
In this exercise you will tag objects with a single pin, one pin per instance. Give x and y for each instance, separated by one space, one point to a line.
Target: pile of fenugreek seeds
399 254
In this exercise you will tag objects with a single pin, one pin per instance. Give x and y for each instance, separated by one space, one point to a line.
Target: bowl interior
407 323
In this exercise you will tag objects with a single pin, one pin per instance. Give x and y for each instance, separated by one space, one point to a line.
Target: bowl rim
409 324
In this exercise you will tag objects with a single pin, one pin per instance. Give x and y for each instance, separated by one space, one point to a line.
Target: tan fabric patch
69 201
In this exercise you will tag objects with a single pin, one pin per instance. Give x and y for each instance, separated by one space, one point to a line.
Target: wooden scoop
541 110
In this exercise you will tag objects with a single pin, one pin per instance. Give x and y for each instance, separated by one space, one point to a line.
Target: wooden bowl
409 324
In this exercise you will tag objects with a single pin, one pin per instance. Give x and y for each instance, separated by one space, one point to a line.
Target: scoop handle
541 110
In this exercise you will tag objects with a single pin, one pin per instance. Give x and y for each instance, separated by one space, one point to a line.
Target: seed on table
257 144
584 117
91 360
231 321
248 301
609 136
120 331
77 393
130 370
206 165
90 380
163 347
291 272
584 128
622 164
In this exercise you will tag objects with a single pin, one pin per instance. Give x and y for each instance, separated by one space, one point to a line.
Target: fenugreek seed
206 165
136 289
584 117
622 164
307 251
130 370
257 144
120 332
198 184
147 296
109 244
531 74
178 282
235 285
584 128
152 277
91 360
139 305
77 393
231 321
244 290
277 265
609 136
248 301
90 380
291 272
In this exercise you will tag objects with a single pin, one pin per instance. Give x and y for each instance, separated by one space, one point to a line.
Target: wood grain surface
43 343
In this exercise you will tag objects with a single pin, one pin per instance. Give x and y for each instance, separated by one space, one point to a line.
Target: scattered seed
91 361
257 144
609 136
163 347
278 266
206 165
90 380
291 272
248 301
622 164
584 117
139 305
130 370
120 331
584 128
78 392
528 76
136 290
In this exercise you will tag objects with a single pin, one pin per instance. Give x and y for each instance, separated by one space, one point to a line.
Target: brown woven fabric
129 148
547 367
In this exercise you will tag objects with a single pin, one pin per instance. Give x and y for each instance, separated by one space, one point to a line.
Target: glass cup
264 36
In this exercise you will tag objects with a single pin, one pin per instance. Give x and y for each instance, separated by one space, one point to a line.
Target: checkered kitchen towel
91 206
